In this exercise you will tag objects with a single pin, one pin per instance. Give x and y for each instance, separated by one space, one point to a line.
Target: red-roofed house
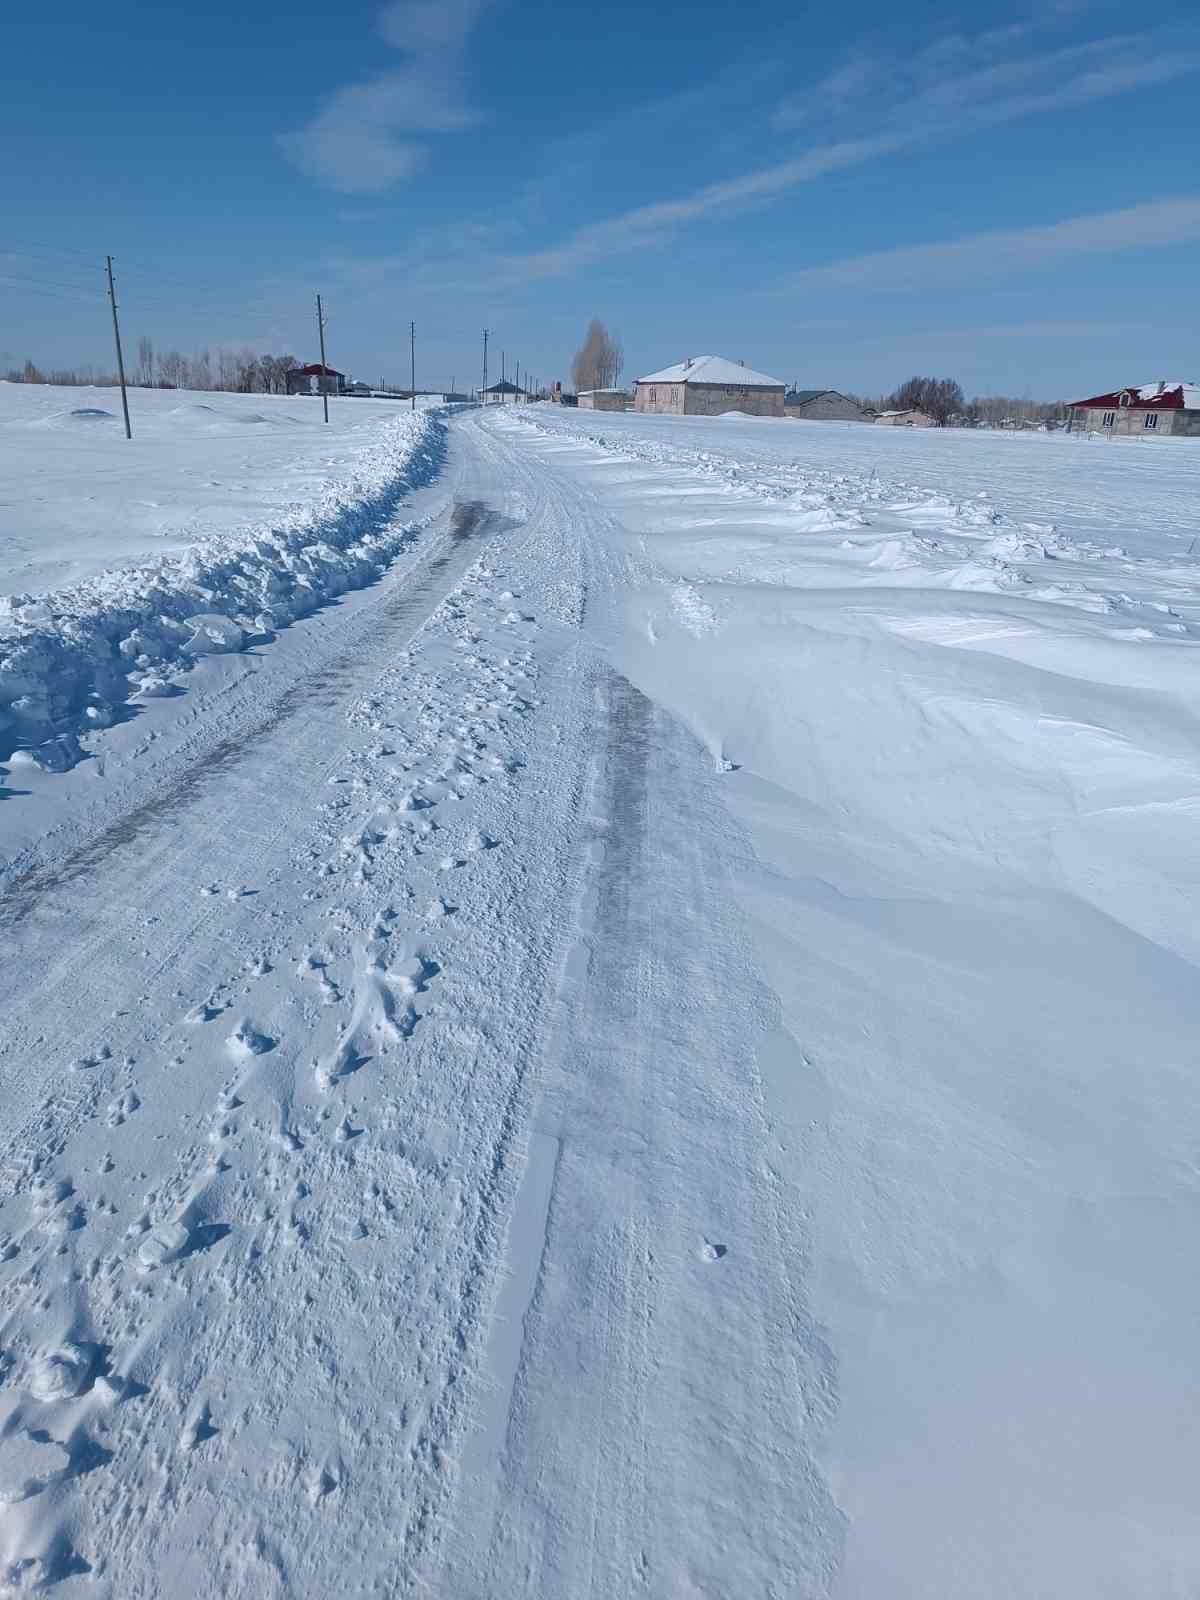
1152 408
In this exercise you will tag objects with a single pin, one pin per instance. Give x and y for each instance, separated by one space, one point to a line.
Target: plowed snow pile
71 657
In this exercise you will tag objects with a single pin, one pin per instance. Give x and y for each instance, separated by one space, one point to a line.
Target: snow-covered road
648 1051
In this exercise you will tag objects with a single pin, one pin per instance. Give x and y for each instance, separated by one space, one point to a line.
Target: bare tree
171 369
201 374
145 366
599 360
939 398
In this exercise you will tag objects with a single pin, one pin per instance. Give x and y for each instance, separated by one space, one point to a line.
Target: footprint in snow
245 1040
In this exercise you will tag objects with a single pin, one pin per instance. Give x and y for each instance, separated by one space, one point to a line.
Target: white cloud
368 136
1158 222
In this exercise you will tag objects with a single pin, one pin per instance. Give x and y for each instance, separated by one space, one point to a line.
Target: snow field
651 1050
967 776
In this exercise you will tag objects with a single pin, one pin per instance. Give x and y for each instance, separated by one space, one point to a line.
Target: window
653 396
1109 418
1151 419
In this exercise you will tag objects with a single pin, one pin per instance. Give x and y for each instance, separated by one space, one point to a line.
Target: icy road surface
649 1050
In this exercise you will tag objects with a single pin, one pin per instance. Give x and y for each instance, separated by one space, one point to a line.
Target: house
603 400
1152 408
904 419
706 386
503 393
359 387
316 379
822 405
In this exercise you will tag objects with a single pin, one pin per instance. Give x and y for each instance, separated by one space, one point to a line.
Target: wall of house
659 397
711 399
827 408
1130 421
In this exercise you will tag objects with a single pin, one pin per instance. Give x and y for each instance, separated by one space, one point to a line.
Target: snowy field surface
629 1028
77 498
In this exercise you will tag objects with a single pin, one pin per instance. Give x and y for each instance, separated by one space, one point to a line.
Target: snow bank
70 659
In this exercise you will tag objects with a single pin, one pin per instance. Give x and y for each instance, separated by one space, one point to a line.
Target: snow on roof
715 369
1167 395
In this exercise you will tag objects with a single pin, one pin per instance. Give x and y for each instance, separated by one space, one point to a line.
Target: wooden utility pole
112 295
503 379
323 380
483 391
412 351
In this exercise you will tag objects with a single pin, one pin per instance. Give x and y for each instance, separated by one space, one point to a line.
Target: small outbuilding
706 386
1152 408
905 419
316 379
603 400
822 405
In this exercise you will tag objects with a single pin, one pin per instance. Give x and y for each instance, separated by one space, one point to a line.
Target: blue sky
841 195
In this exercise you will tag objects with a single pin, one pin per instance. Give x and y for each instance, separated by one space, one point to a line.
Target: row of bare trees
242 371
943 400
238 371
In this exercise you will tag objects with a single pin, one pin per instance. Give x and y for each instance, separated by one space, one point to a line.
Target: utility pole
412 351
112 295
503 379
323 380
483 391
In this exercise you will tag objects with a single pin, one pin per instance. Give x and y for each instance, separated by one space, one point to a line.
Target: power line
49 287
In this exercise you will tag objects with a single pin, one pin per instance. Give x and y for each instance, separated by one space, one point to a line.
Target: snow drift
70 659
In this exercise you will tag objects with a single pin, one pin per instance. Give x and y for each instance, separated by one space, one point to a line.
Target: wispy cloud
369 135
1158 222
949 87
980 80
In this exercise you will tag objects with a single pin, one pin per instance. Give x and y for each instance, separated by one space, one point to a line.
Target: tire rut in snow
630 717
326 686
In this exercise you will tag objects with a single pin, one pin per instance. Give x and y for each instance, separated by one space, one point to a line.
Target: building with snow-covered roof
1149 408
706 386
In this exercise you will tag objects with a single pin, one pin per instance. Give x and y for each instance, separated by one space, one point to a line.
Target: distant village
707 385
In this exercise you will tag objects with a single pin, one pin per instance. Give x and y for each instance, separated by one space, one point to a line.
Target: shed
822 405
1150 408
706 386
603 400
